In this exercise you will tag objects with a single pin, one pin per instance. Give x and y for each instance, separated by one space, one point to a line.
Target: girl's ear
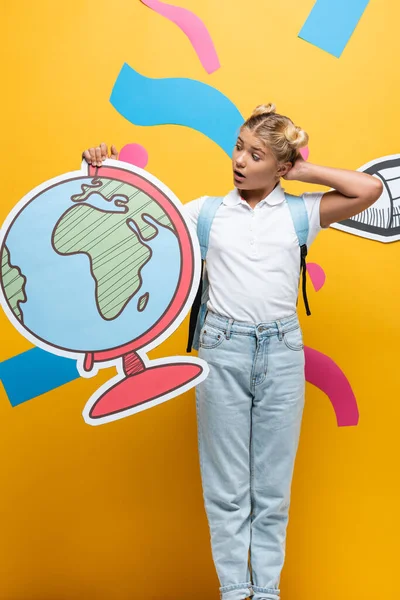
284 168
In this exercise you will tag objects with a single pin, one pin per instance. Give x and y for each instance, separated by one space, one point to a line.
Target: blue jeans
249 412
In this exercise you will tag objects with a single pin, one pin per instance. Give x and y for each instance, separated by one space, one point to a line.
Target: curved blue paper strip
144 101
34 373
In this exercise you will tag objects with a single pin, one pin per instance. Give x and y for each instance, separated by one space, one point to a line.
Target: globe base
154 385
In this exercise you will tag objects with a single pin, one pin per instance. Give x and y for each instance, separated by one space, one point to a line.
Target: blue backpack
208 211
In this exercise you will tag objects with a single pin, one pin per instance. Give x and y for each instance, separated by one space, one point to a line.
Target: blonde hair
277 132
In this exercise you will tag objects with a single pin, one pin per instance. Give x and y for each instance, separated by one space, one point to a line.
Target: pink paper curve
305 152
194 28
134 154
325 374
317 275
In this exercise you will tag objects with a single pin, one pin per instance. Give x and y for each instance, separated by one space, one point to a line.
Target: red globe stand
142 384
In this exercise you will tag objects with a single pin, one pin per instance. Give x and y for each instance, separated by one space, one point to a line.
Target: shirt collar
277 196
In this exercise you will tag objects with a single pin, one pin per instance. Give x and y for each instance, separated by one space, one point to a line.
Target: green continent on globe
98 226
138 203
13 284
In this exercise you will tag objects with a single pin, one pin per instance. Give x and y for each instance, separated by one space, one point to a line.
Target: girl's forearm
349 183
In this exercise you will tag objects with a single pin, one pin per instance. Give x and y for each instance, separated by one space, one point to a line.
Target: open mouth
238 176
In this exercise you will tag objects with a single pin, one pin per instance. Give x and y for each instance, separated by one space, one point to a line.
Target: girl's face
254 165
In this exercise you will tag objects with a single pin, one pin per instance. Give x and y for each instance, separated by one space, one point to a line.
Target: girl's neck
253 197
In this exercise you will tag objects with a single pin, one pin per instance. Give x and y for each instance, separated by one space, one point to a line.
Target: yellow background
116 511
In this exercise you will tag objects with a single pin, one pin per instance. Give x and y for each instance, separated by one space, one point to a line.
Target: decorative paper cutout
305 152
331 24
134 154
34 373
381 221
317 275
99 265
325 374
194 28
144 101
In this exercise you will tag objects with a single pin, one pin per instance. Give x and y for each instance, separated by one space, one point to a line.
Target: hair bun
264 109
296 137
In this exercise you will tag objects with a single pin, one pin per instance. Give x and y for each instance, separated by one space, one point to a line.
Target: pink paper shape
194 28
134 154
317 275
325 374
305 152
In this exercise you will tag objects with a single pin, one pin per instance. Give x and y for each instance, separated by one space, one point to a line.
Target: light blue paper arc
331 24
177 101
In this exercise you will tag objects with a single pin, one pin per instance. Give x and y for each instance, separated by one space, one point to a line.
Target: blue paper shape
177 101
34 373
331 23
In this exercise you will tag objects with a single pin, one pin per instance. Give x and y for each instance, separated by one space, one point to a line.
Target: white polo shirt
253 260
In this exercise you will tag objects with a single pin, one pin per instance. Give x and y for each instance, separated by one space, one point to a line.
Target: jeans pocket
210 337
294 339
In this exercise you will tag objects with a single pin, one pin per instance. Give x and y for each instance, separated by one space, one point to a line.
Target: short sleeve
313 201
191 211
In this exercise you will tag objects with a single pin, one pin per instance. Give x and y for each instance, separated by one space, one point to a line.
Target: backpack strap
205 220
204 223
299 215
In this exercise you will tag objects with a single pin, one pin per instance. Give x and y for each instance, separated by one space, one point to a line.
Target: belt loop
280 330
228 329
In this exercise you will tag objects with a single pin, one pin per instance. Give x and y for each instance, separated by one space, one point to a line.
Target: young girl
250 406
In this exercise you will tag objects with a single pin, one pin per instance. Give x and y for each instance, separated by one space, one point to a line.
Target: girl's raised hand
96 155
295 173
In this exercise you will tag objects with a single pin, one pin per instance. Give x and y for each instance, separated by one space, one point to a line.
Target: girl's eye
256 158
237 147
